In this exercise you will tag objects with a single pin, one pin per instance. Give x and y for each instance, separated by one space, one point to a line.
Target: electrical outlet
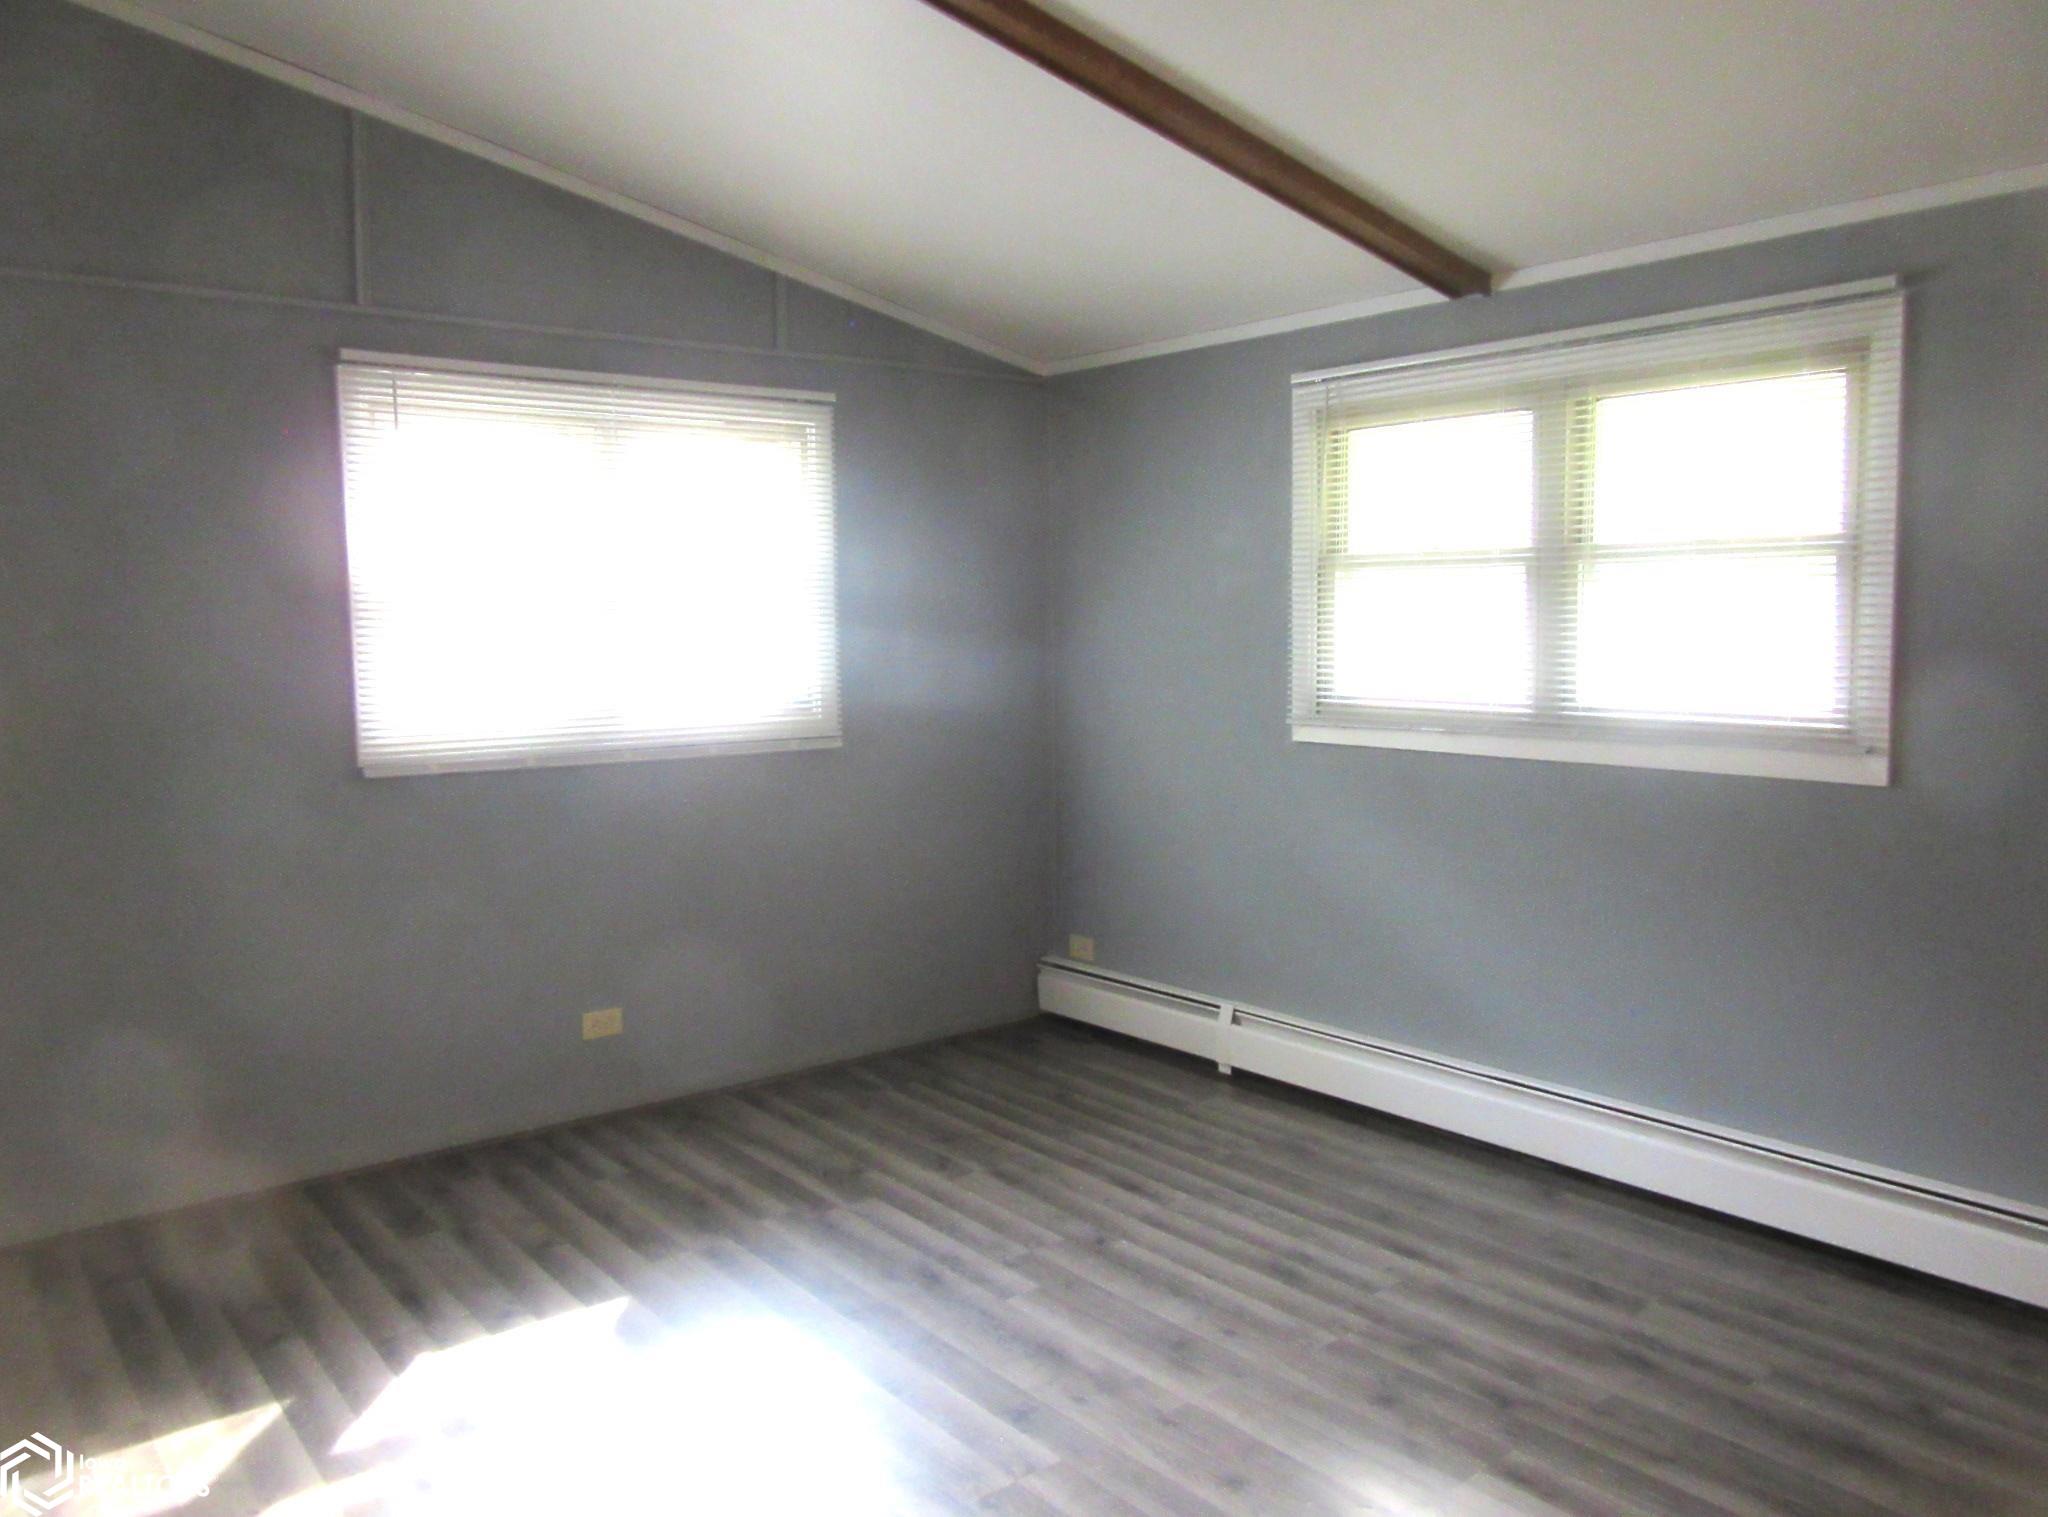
1080 948
608 1023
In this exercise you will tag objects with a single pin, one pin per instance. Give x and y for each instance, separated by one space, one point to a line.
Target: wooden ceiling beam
1118 82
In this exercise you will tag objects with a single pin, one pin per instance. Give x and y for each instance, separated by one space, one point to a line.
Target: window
1663 543
556 568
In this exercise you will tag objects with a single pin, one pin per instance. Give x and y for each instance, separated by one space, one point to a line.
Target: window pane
716 604
526 577
1431 635
1454 483
1712 636
549 570
1748 459
468 577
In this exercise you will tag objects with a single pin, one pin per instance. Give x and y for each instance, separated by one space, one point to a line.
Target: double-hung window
1667 543
562 568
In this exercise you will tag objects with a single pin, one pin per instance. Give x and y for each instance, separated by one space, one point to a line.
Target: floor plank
1035 1272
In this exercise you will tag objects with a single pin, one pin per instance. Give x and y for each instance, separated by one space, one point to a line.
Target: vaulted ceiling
890 151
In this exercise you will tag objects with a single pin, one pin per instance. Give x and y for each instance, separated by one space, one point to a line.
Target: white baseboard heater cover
1984 1241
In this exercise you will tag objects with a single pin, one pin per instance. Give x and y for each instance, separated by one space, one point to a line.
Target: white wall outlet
608 1023
1080 949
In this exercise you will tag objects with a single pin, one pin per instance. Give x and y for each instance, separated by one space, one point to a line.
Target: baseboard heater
1983 1241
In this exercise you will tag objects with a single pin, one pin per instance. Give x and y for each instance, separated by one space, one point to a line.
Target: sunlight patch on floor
604 1408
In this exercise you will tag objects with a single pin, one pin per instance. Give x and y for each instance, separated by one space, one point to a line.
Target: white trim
1954 192
334 91
2011 181
1696 758
1207 1005
1541 371
576 758
1135 1009
1663 321
824 731
1980 1240
610 381
1849 213
1245 331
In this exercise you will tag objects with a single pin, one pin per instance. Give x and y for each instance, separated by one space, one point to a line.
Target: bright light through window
1430 597
1668 547
1450 484
1729 637
558 569
1424 635
1693 631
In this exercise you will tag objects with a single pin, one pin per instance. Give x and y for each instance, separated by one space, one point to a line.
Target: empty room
892 758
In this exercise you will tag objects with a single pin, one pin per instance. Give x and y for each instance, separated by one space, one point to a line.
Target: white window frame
819 730
1863 320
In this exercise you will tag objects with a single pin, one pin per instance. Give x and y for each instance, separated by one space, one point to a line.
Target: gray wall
224 958
1863 971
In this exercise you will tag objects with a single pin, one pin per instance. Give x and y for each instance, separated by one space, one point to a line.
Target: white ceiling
887 149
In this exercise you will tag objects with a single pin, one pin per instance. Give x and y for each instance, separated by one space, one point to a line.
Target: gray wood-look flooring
1032 1272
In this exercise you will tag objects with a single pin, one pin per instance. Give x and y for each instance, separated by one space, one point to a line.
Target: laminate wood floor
1031 1272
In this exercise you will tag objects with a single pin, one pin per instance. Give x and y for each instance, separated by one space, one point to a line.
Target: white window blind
1667 543
558 568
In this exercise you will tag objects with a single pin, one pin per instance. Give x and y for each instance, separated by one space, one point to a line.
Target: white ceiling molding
334 91
1956 192
1151 252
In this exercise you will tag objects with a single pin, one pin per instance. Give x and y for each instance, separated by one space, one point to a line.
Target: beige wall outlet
1080 948
608 1023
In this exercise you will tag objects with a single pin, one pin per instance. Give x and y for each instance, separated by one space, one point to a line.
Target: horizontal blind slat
546 568
1829 591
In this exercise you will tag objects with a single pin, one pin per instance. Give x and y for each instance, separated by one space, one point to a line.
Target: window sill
378 769
1702 758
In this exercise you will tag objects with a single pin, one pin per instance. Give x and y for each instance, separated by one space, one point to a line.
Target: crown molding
1954 192
337 93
